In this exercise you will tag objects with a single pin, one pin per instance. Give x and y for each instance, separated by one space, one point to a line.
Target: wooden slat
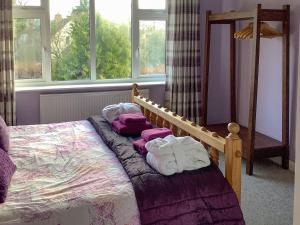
285 86
230 16
147 114
153 118
214 154
205 136
253 90
205 81
159 122
174 129
232 72
274 15
166 124
142 109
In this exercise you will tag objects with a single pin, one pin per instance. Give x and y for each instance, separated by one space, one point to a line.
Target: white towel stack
172 154
112 112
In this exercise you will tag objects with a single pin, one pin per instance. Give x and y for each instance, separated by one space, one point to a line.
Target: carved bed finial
135 90
234 130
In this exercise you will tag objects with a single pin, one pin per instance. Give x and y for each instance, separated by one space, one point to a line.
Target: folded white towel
112 112
165 164
172 154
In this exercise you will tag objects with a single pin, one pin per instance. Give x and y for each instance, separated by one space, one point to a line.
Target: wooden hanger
266 31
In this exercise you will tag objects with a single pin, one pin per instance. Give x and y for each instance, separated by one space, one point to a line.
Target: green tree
27 44
71 61
113 49
152 49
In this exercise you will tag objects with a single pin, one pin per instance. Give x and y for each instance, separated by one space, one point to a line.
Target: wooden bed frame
231 146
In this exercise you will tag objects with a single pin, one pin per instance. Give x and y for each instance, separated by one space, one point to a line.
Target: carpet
268 195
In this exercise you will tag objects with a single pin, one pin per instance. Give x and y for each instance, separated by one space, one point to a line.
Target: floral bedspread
66 175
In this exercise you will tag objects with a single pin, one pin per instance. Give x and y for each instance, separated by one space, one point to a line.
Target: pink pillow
7 169
4 135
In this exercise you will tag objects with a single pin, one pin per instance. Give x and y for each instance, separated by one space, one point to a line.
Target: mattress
66 175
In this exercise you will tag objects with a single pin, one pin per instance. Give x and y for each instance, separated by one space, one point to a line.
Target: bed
72 174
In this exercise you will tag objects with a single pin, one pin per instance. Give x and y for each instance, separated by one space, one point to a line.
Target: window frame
143 15
43 13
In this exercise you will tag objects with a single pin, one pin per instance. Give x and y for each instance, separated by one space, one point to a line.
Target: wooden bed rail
231 146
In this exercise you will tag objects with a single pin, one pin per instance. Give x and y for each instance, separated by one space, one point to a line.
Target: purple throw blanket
190 198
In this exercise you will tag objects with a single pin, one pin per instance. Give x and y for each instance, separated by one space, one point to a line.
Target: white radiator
79 106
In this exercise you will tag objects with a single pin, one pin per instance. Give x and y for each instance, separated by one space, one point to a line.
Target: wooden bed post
206 69
134 92
285 88
233 158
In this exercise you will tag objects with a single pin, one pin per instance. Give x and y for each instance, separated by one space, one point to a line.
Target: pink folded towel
139 145
132 118
130 130
151 134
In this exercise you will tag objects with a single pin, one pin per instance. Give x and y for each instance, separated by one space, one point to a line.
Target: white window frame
37 12
43 13
137 16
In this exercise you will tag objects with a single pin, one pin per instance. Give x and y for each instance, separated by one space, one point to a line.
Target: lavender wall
28 101
269 93
217 104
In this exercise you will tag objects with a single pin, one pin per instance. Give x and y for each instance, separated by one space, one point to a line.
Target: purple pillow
7 169
4 135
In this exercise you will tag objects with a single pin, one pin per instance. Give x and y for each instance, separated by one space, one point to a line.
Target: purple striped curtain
7 93
183 58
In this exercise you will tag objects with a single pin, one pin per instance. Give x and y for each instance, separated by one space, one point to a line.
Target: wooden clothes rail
256 145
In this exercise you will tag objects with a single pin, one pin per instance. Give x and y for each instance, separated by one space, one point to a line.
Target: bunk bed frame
231 146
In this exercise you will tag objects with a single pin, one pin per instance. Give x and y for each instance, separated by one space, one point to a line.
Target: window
28 49
27 3
153 4
89 40
152 47
70 40
113 39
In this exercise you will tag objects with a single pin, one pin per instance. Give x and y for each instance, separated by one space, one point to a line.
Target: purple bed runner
190 198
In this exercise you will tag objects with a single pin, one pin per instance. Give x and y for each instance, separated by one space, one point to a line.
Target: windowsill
63 87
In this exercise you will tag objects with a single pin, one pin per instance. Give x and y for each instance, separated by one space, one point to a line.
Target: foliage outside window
89 39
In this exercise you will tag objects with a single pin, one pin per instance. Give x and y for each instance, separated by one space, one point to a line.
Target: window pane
152 4
27 2
70 42
152 47
28 48
113 39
